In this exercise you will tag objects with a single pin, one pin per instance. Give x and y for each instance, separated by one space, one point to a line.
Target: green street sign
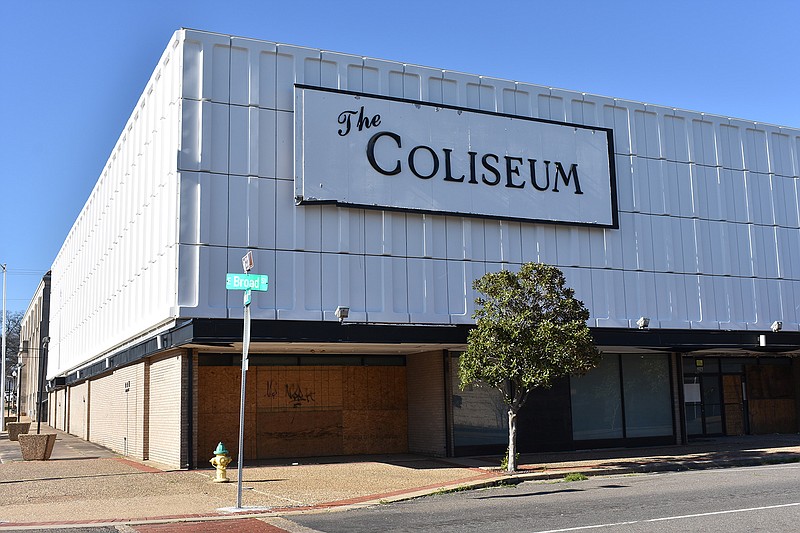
243 282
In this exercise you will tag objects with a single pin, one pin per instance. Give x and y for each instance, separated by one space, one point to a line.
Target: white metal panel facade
707 206
114 276
708 210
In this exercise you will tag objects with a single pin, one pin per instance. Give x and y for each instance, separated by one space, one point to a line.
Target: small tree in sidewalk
530 331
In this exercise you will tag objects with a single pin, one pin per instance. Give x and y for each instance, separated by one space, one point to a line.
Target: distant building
34 328
387 188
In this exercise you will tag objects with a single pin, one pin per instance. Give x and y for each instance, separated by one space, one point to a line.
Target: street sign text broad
242 282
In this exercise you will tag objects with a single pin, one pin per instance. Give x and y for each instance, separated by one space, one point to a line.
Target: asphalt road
730 500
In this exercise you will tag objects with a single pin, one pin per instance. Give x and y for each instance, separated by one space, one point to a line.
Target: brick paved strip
137 466
166 521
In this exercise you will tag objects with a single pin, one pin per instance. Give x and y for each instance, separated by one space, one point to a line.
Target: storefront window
597 402
480 417
597 399
648 411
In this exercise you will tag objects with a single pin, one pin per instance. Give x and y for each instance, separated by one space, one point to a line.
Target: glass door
712 404
703 403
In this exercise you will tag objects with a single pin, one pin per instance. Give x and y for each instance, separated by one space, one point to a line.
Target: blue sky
71 72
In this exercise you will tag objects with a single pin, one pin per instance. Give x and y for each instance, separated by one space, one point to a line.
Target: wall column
427 420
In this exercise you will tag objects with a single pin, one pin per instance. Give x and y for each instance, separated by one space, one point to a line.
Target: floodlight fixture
341 313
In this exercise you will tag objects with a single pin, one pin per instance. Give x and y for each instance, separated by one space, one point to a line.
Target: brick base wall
165 412
427 423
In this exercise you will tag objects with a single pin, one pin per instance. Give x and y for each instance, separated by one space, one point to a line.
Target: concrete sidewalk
84 483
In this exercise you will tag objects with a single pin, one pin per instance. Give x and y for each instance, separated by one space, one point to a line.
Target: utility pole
42 373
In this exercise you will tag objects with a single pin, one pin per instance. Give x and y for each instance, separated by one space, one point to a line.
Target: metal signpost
247 283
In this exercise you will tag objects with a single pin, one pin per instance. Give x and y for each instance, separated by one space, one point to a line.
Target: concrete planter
15 428
9 419
37 447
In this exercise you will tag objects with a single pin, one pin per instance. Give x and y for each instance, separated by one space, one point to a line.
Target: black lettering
344 118
362 122
413 167
472 178
491 169
533 175
511 171
573 173
371 152
448 174
365 122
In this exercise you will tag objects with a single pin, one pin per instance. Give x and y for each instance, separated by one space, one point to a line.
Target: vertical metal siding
103 290
708 209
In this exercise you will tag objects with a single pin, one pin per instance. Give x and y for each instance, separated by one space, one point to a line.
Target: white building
33 341
387 188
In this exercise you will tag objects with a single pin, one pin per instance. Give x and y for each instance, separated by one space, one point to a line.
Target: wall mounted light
643 322
342 313
776 326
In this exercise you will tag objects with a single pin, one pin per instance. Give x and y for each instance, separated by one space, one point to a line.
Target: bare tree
13 327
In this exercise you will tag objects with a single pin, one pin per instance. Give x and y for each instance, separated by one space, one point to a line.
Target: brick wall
78 421
165 410
52 407
193 411
116 414
59 405
427 425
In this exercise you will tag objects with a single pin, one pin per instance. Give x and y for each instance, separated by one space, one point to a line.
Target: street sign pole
247 265
245 364
247 283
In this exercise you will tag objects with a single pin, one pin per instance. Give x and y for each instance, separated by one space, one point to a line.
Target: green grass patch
460 488
575 476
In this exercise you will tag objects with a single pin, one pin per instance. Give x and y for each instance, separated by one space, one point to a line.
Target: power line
25 272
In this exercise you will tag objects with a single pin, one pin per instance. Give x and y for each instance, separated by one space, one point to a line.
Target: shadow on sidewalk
66 476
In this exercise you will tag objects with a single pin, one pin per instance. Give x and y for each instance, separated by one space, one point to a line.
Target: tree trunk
512 439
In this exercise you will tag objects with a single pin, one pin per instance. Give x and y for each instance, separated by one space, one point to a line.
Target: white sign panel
691 393
377 152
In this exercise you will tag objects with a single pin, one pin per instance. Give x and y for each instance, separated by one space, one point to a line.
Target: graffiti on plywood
297 396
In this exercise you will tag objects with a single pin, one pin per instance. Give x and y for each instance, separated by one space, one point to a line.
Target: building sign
367 151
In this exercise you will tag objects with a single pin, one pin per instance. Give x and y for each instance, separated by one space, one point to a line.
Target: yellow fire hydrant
220 461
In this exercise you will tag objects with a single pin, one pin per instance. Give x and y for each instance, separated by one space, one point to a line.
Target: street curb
498 479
